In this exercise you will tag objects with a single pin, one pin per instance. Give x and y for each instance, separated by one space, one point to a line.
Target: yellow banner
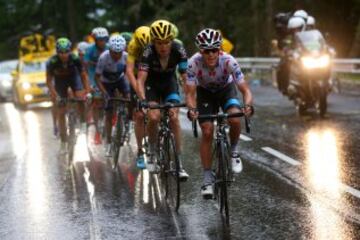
37 45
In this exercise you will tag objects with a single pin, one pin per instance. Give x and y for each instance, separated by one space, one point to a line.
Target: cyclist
81 49
157 76
140 39
214 77
110 76
62 72
127 36
310 23
92 54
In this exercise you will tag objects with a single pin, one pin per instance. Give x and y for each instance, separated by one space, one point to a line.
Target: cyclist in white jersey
110 76
213 81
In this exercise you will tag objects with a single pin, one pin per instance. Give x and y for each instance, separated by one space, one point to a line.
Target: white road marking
350 190
281 156
245 138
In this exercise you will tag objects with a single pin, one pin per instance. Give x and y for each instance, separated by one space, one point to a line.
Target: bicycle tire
116 141
173 179
71 138
223 168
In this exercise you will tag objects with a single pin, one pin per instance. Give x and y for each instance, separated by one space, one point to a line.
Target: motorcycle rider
295 24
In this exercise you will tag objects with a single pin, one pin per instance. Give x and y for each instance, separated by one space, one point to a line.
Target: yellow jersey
134 50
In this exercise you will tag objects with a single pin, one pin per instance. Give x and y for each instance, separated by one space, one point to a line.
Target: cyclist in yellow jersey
140 39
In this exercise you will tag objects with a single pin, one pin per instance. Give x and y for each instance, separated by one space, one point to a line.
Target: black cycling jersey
150 62
64 71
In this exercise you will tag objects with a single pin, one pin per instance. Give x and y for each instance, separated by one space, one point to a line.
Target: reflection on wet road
43 198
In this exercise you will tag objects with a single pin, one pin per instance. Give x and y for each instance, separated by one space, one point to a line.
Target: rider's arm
98 72
130 68
49 78
191 83
99 83
83 74
245 90
239 79
142 76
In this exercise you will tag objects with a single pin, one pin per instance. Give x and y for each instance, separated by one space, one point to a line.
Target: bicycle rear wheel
172 164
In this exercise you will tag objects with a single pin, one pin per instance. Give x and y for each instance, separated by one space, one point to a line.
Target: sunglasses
208 51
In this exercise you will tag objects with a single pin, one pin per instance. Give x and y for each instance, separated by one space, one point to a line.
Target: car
6 68
29 85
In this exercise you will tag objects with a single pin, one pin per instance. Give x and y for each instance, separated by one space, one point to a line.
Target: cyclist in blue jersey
213 81
110 76
92 55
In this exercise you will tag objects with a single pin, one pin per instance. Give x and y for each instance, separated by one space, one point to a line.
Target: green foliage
246 23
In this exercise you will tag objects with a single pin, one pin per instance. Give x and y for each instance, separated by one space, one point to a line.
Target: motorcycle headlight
26 85
312 62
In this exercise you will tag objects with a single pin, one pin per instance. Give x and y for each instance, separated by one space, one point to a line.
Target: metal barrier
340 65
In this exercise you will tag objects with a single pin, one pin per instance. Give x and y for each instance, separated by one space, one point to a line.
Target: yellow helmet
161 30
142 35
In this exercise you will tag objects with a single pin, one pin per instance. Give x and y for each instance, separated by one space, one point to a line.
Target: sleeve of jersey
87 54
145 60
100 66
49 68
78 64
131 52
235 69
191 76
183 63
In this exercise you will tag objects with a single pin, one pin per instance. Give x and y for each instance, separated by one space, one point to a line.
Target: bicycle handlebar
164 106
119 99
221 117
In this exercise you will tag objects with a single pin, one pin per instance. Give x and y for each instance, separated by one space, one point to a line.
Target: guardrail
340 65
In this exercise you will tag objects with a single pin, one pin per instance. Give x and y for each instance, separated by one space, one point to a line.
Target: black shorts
163 90
122 86
61 86
209 102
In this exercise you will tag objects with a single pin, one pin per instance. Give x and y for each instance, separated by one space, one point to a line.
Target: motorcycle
310 72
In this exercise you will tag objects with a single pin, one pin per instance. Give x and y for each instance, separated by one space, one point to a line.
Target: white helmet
100 33
301 13
310 21
296 22
117 43
208 39
82 46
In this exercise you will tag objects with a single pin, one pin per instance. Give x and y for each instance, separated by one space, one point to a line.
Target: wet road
300 181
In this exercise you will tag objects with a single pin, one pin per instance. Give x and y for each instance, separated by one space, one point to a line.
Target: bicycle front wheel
223 159
116 140
172 188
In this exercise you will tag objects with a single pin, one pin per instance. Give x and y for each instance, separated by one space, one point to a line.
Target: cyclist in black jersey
62 72
157 82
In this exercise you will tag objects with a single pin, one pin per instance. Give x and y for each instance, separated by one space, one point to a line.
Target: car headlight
26 85
312 62
6 84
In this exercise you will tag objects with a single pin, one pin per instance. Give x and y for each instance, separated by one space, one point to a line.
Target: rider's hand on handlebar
192 114
249 110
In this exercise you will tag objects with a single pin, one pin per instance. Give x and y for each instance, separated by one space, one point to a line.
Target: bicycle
167 156
223 170
71 122
121 131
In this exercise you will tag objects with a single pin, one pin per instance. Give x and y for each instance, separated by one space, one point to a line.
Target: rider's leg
207 129
235 129
139 128
176 128
152 128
